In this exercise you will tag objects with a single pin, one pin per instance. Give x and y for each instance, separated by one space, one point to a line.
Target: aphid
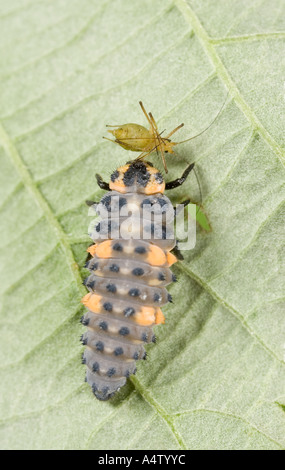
138 138
127 276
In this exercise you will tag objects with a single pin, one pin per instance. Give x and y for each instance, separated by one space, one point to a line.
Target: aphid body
127 276
139 139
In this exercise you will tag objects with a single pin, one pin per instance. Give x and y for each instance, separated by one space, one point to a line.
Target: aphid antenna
208 127
200 190
116 125
114 141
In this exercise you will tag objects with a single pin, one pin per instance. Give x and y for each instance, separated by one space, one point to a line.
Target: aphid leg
154 131
163 160
174 130
179 181
158 141
146 154
153 122
116 141
145 113
102 184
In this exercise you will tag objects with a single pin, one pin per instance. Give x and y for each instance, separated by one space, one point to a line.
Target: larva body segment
127 276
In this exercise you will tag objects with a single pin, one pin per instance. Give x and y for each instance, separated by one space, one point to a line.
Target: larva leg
181 180
177 253
102 184
91 203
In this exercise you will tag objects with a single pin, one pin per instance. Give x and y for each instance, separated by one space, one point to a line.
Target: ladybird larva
128 277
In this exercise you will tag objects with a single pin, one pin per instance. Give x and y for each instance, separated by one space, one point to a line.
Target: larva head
137 176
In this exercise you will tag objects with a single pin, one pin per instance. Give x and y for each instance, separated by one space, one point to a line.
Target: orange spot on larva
118 186
104 249
156 256
159 318
92 249
92 301
153 188
171 259
145 316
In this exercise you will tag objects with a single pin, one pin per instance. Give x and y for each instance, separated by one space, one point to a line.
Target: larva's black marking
137 170
108 306
127 277
103 325
140 249
114 175
117 247
129 311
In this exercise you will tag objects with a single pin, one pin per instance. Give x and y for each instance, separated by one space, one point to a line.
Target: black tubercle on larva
108 306
122 202
129 311
144 337
138 272
100 346
124 331
114 268
106 201
111 288
118 351
134 292
103 325
159 177
90 284
140 249
114 175
84 320
146 202
95 367
117 247
111 371
157 297
136 173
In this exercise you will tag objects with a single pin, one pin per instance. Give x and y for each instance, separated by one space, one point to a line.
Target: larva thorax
127 277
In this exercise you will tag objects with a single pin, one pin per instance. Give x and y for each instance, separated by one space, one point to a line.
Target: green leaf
215 377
